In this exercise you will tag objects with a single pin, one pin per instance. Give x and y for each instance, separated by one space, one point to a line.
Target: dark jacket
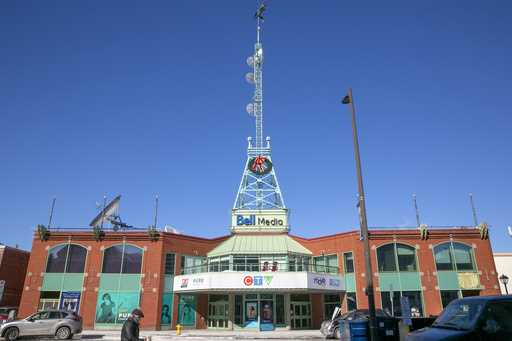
130 331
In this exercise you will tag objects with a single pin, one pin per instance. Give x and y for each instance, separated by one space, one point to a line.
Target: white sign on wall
256 220
241 281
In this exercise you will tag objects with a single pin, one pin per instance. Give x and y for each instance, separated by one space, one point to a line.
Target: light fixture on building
504 280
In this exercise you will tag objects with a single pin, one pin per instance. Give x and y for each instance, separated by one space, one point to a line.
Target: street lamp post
348 99
504 280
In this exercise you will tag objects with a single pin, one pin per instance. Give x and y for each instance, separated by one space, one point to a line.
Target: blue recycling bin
355 330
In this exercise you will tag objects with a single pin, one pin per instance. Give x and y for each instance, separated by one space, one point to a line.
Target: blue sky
143 98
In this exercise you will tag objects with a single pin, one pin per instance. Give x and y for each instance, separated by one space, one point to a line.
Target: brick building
13 267
257 277
189 280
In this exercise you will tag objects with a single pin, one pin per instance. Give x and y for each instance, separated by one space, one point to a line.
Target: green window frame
455 256
397 257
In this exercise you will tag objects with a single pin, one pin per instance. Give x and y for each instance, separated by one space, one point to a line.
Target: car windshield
459 315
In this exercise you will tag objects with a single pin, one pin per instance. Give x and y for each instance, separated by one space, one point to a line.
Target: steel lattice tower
259 188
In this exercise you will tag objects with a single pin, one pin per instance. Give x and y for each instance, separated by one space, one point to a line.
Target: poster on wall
251 311
267 315
165 317
187 310
70 300
115 307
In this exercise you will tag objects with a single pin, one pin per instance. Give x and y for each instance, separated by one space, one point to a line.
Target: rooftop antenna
417 210
156 210
475 219
51 213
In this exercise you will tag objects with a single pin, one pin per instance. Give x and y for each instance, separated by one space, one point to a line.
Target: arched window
66 258
396 257
122 258
454 257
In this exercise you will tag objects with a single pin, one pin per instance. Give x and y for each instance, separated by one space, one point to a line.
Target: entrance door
300 315
218 314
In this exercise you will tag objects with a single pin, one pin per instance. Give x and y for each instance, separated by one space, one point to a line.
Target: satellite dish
250 108
249 77
250 61
170 229
109 211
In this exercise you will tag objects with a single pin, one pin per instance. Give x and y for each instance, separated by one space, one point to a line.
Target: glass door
300 315
218 311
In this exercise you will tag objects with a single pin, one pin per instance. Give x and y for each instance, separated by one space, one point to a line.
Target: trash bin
358 330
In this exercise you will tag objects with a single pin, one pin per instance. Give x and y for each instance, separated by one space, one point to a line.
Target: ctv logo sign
252 220
257 280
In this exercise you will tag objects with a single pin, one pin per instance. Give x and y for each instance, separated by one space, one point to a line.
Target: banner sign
250 281
251 220
115 307
70 300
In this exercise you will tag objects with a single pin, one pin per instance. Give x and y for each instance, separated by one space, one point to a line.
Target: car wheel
337 334
12 334
63 333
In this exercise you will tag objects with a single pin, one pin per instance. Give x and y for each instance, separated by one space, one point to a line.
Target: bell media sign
253 220
259 219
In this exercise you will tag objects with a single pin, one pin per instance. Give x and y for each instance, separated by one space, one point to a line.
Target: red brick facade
13 268
153 265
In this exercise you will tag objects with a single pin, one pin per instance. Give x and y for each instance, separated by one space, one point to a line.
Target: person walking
130 330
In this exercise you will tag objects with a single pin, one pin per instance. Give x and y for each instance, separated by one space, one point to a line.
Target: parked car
331 328
471 318
7 314
59 323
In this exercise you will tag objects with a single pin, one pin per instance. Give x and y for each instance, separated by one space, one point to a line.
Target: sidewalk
208 335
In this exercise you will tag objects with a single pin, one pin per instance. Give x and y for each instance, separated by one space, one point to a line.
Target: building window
49 300
463 257
448 295
348 262
391 257
443 257
193 264
330 303
326 264
454 256
169 263
68 258
391 303
351 301
122 258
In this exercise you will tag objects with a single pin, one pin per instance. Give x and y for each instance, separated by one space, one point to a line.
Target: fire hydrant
178 329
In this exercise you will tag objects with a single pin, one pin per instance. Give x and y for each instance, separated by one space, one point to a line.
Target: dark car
471 318
331 328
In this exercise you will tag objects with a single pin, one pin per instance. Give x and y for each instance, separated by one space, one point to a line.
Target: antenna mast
259 188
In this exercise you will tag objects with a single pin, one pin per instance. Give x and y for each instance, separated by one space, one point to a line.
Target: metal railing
257 267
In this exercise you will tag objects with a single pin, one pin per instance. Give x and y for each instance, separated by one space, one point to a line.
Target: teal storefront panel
350 282
166 316
168 283
187 310
130 282
120 282
389 281
62 282
448 280
399 281
410 281
114 307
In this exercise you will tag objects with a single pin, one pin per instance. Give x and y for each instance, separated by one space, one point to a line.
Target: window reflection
122 258
68 258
